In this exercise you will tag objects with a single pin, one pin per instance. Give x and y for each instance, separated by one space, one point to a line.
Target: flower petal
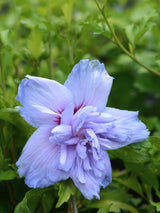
67 158
61 133
67 114
98 173
43 100
80 117
127 129
81 150
39 161
90 84
91 136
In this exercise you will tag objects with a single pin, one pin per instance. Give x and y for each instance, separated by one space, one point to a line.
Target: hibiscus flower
74 129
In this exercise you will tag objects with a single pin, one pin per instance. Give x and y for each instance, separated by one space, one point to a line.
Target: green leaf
12 116
130 154
66 189
105 209
115 206
31 200
154 140
157 205
67 9
148 83
35 44
4 37
131 183
129 33
147 175
140 33
135 31
7 175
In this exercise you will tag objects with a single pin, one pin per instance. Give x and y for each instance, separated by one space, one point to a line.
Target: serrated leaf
147 175
129 154
30 201
114 194
131 183
66 189
102 29
115 206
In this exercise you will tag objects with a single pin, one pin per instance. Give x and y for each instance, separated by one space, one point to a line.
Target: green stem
11 193
74 205
13 149
2 76
43 206
101 9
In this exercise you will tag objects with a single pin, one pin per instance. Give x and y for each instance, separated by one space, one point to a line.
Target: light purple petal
90 84
39 161
81 150
72 141
63 155
91 136
67 114
43 100
127 129
80 171
37 115
67 158
61 133
99 173
80 117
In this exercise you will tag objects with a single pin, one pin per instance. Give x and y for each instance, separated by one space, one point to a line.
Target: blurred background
47 38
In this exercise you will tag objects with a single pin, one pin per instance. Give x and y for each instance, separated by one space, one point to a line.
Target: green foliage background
46 38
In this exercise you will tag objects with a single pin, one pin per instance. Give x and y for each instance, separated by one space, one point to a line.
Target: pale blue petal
67 158
72 141
95 153
86 164
91 136
127 129
37 115
98 117
63 155
90 84
80 117
39 160
81 150
80 170
100 127
67 114
43 100
61 133
99 175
